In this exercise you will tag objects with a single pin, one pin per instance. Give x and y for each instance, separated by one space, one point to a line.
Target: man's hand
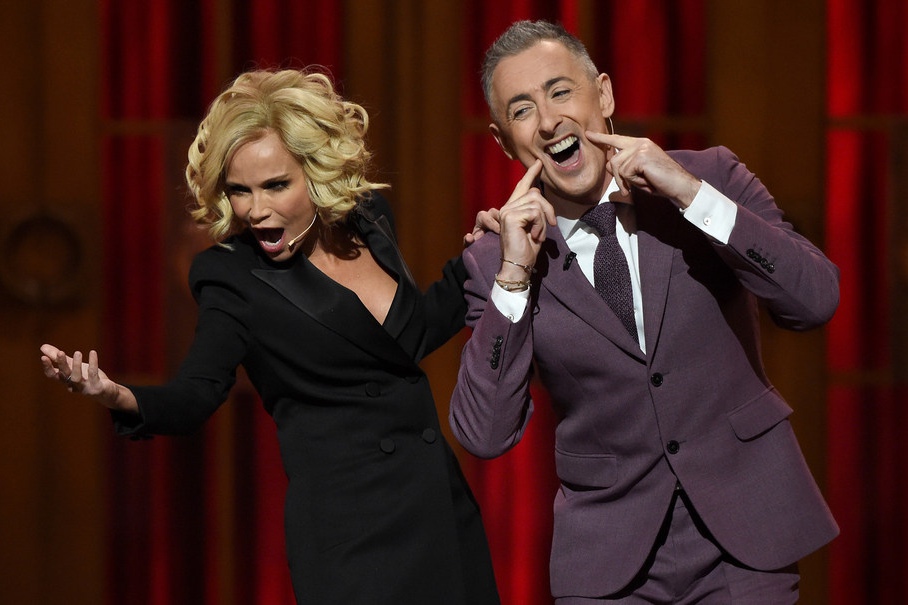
640 163
524 220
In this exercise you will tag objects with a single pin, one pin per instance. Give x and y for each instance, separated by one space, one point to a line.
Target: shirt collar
569 226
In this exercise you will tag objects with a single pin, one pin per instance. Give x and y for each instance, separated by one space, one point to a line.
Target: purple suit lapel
658 223
655 275
571 288
576 294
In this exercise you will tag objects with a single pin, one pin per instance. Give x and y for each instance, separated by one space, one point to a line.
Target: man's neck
574 208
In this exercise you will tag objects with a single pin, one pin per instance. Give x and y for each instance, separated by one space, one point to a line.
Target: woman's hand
86 378
486 220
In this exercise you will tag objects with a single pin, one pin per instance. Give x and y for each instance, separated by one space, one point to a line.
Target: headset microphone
293 242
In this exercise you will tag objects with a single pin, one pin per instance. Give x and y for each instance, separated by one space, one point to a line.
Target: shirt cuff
511 304
712 213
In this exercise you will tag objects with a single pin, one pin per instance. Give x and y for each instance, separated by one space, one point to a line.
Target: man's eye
561 93
520 112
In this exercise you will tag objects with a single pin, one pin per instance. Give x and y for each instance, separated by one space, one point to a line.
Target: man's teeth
562 145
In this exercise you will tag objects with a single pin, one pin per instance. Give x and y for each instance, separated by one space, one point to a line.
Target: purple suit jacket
697 408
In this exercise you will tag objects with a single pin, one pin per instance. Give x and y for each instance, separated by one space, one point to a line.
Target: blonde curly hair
321 130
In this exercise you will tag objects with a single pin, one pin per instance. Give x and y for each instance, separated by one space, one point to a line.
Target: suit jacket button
656 379
387 445
429 435
673 447
372 389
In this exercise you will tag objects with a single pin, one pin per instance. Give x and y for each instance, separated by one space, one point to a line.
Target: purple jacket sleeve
793 279
491 404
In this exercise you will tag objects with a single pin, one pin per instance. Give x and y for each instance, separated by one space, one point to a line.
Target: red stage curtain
654 75
866 185
196 519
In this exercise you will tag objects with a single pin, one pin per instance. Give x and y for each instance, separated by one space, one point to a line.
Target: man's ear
499 138
606 100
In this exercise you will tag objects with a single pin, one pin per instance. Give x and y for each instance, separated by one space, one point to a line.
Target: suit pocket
758 415
580 471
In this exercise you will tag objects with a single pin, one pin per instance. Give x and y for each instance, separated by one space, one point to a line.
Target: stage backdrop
199 519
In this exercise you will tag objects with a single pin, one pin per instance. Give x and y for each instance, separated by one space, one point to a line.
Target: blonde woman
306 289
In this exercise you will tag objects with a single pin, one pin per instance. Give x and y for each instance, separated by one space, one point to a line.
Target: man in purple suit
681 478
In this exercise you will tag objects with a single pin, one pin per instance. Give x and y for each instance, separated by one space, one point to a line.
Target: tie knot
601 217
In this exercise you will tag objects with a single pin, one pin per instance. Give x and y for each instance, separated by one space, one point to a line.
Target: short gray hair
522 35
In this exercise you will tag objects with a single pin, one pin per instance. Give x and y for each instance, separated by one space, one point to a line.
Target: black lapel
379 235
335 307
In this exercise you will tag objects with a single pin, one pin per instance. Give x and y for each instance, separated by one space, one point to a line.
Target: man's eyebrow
517 98
552 81
545 86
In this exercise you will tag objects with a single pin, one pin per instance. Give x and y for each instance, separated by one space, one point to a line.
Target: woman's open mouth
271 240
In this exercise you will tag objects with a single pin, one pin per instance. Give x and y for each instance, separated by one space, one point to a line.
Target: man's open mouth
564 150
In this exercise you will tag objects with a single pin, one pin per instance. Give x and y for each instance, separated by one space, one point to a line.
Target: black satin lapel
571 287
323 300
380 237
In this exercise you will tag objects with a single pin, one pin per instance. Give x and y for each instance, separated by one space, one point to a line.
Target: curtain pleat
867 142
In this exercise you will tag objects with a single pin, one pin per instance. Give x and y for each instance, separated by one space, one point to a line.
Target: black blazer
377 509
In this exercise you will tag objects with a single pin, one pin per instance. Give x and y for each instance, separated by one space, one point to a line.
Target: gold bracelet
530 269
512 285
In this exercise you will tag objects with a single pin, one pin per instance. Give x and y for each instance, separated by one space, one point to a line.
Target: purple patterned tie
611 275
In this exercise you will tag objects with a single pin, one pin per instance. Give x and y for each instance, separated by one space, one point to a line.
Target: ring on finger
68 380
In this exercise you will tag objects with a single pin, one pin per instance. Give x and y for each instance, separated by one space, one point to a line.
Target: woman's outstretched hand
86 378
